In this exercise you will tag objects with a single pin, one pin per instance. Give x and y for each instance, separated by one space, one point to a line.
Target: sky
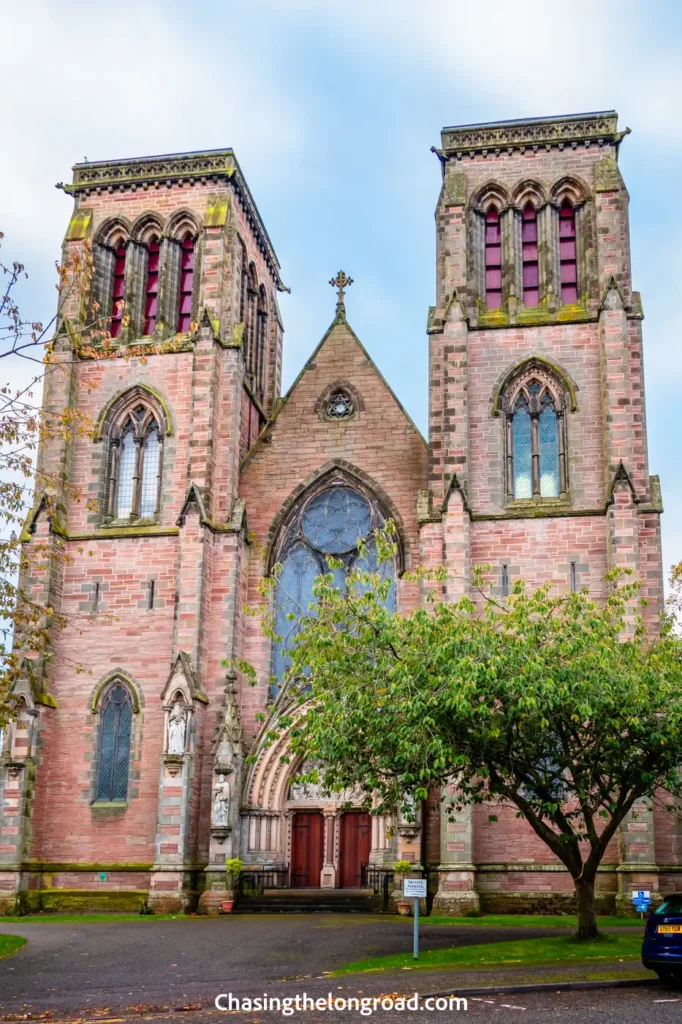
332 110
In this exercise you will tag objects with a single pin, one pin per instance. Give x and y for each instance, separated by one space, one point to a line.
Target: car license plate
669 929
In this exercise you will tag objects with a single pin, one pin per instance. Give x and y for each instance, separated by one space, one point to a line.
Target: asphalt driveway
69 967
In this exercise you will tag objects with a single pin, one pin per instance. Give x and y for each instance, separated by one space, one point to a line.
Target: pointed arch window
152 285
329 522
493 259
568 253
115 736
118 291
261 342
251 325
135 456
186 284
529 255
535 439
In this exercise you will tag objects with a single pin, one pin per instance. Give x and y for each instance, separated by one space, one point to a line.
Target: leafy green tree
559 704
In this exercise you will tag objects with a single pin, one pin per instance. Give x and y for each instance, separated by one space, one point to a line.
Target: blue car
662 946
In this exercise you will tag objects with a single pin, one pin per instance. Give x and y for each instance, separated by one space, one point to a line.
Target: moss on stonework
238 335
82 900
46 699
537 316
216 211
79 226
97 436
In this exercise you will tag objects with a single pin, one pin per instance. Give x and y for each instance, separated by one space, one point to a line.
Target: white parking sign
414 887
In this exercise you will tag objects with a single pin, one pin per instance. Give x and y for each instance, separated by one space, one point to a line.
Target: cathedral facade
137 765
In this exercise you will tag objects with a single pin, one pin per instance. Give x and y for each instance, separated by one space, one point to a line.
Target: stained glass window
549 453
339 405
523 485
336 520
126 475
536 453
332 522
114 744
134 475
149 491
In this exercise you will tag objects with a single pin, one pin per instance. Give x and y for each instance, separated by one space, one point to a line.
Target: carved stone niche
178 700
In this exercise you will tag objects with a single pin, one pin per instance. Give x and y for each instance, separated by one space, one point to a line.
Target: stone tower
186 279
537 433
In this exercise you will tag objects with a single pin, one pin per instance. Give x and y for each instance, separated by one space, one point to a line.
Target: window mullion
535 453
563 475
510 458
137 478
114 457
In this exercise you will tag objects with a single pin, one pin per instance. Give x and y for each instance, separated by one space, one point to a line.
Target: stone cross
341 282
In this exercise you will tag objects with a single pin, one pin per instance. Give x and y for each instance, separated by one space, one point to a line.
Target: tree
27 352
556 703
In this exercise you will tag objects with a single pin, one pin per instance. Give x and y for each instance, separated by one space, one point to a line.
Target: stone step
309 901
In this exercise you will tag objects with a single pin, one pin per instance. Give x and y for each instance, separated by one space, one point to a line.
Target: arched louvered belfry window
330 521
115 736
261 342
152 285
568 253
493 259
535 438
529 255
135 462
251 326
186 284
118 291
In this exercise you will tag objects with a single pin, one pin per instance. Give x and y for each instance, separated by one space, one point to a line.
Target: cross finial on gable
341 282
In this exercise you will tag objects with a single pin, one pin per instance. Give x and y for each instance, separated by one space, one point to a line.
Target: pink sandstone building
132 782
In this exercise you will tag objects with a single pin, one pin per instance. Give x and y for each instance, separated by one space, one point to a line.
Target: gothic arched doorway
307 849
355 844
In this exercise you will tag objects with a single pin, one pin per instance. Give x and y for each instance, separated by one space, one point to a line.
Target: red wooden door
355 846
307 848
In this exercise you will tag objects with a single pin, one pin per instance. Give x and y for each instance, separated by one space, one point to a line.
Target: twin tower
124 779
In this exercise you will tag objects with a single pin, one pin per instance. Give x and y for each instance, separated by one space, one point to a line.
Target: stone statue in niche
177 729
221 801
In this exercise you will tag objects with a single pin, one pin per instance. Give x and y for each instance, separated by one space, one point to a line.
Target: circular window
340 405
336 520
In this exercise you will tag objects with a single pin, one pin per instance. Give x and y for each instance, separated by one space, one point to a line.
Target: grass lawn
562 950
10 944
532 921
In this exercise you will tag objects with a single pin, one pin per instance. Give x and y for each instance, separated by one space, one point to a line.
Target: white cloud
529 57
107 81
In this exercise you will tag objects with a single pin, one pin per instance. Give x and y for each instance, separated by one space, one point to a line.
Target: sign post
641 899
416 888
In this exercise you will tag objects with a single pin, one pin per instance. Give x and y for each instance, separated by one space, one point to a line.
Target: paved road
70 966
162 971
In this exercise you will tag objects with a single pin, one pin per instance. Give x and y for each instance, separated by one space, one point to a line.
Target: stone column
456 894
329 867
169 889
